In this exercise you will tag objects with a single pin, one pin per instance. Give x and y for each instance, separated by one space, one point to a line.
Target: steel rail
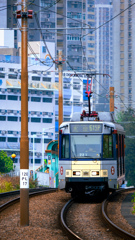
5 194
32 194
69 233
126 235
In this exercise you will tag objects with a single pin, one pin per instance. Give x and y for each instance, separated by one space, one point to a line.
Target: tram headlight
76 173
95 173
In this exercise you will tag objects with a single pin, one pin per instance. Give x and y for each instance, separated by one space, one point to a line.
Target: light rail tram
91 154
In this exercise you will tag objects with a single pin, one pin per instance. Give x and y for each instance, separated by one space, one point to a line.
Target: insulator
30 11
18 16
30 16
18 11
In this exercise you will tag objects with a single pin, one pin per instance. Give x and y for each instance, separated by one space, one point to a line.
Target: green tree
127 120
6 163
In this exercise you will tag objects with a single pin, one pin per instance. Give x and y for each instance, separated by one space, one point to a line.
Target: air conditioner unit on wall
49 114
3 132
8 90
3 111
15 112
14 133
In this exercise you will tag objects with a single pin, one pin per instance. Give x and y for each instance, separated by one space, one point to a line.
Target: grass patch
8 184
133 201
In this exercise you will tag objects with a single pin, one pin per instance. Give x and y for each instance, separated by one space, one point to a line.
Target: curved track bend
122 233
33 192
114 227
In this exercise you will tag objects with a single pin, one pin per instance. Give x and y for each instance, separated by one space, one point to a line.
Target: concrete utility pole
112 99
60 87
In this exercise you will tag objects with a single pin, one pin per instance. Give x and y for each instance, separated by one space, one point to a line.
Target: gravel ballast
43 219
44 214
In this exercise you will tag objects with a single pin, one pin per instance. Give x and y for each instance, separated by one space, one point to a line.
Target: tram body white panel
108 167
63 165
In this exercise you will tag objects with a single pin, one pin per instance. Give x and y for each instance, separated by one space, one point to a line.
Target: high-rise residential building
104 53
73 17
124 54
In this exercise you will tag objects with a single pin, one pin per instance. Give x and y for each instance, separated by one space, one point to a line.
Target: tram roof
113 125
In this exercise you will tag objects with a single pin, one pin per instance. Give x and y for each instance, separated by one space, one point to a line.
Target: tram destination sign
85 128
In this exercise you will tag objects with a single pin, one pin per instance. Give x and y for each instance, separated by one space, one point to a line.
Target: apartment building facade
124 51
104 53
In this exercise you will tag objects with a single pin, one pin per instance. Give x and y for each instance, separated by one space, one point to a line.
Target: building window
2 75
47 100
107 146
36 140
37 160
10 139
13 98
13 119
36 120
46 79
2 118
47 120
12 76
2 139
35 99
44 49
3 97
47 140
34 78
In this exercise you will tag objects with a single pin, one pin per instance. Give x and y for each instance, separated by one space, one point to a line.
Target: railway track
114 228
32 193
122 233
71 235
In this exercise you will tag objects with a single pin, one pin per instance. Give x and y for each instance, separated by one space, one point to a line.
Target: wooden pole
60 88
24 142
112 99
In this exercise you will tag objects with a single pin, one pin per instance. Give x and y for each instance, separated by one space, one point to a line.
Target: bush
133 200
33 183
5 186
13 183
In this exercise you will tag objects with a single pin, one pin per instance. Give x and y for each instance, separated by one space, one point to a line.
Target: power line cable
81 79
31 49
109 20
51 5
117 93
62 15
37 20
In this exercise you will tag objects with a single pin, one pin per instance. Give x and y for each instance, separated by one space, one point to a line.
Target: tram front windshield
86 146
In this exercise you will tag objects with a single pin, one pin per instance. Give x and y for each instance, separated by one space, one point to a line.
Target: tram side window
107 146
65 146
